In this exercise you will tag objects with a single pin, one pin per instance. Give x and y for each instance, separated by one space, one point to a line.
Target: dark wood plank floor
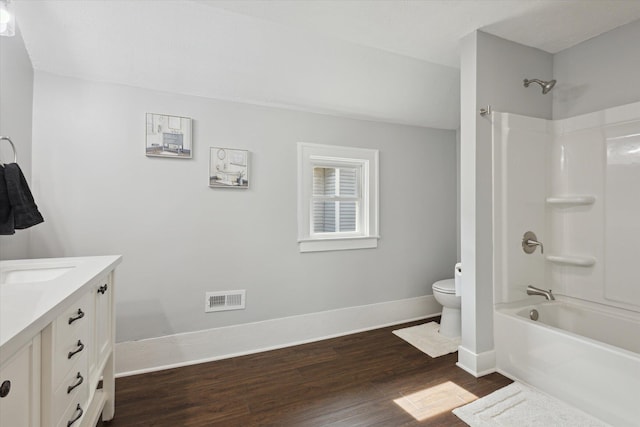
354 380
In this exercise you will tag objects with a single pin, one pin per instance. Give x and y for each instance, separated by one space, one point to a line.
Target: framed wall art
228 168
168 136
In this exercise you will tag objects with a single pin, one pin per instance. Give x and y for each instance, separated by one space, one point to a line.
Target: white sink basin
32 274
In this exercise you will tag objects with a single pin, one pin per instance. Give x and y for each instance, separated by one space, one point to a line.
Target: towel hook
13 147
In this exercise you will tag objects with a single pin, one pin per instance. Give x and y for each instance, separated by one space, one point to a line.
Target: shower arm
546 86
527 82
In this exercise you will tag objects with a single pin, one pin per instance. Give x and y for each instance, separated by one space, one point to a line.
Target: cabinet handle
78 350
78 317
71 387
5 388
102 289
77 417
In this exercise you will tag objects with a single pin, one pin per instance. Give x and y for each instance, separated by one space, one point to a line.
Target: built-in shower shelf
571 200
580 261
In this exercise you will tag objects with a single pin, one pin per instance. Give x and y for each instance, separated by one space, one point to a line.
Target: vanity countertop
28 302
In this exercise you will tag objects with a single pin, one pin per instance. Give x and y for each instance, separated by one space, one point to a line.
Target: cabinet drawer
74 318
75 410
72 340
72 389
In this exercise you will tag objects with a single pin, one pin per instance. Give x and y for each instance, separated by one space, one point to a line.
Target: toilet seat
446 286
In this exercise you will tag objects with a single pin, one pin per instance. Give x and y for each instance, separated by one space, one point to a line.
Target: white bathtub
583 355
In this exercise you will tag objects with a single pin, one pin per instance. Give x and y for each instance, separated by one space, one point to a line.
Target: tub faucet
532 290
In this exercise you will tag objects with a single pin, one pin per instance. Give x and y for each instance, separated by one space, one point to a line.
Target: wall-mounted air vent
224 300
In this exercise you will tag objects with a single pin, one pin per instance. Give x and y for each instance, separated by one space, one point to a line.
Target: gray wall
502 67
16 102
492 71
599 73
180 238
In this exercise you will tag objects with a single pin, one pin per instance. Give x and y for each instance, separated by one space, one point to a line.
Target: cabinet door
104 301
20 388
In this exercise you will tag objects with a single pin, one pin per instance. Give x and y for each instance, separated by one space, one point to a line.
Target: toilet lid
447 286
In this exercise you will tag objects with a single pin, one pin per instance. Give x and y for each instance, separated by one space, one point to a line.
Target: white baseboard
476 364
154 354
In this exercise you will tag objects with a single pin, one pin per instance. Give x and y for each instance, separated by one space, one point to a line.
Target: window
337 197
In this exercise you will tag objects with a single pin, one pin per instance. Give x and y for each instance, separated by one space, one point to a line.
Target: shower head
546 86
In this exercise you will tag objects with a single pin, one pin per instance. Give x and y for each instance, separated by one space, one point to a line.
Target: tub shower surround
574 183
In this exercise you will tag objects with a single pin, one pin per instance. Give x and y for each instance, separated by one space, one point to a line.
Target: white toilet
447 293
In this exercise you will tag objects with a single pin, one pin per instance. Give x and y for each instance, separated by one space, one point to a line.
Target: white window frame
366 161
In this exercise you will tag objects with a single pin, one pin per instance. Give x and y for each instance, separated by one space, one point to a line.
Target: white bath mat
427 339
521 406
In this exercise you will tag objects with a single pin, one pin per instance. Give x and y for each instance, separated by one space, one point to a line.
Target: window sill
341 244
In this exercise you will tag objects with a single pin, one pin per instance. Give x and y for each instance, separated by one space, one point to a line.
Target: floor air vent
224 300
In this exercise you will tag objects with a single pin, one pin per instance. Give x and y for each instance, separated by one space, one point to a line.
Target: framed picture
228 168
168 136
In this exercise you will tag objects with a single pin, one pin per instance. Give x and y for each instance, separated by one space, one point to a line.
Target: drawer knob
5 388
77 417
78 350
102 289
71 387
78 316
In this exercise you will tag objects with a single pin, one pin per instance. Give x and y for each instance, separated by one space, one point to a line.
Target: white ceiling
389 60
430 29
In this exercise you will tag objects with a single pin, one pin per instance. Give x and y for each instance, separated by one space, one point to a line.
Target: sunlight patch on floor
435 400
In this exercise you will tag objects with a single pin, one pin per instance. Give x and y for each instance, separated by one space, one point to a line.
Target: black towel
24 209
6 215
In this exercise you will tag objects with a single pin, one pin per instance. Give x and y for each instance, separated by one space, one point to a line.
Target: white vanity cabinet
20 387
57 332
77 352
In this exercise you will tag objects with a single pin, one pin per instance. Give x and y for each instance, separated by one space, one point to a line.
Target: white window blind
336 199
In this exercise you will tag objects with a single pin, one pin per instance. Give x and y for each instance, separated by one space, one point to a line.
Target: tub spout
532 290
